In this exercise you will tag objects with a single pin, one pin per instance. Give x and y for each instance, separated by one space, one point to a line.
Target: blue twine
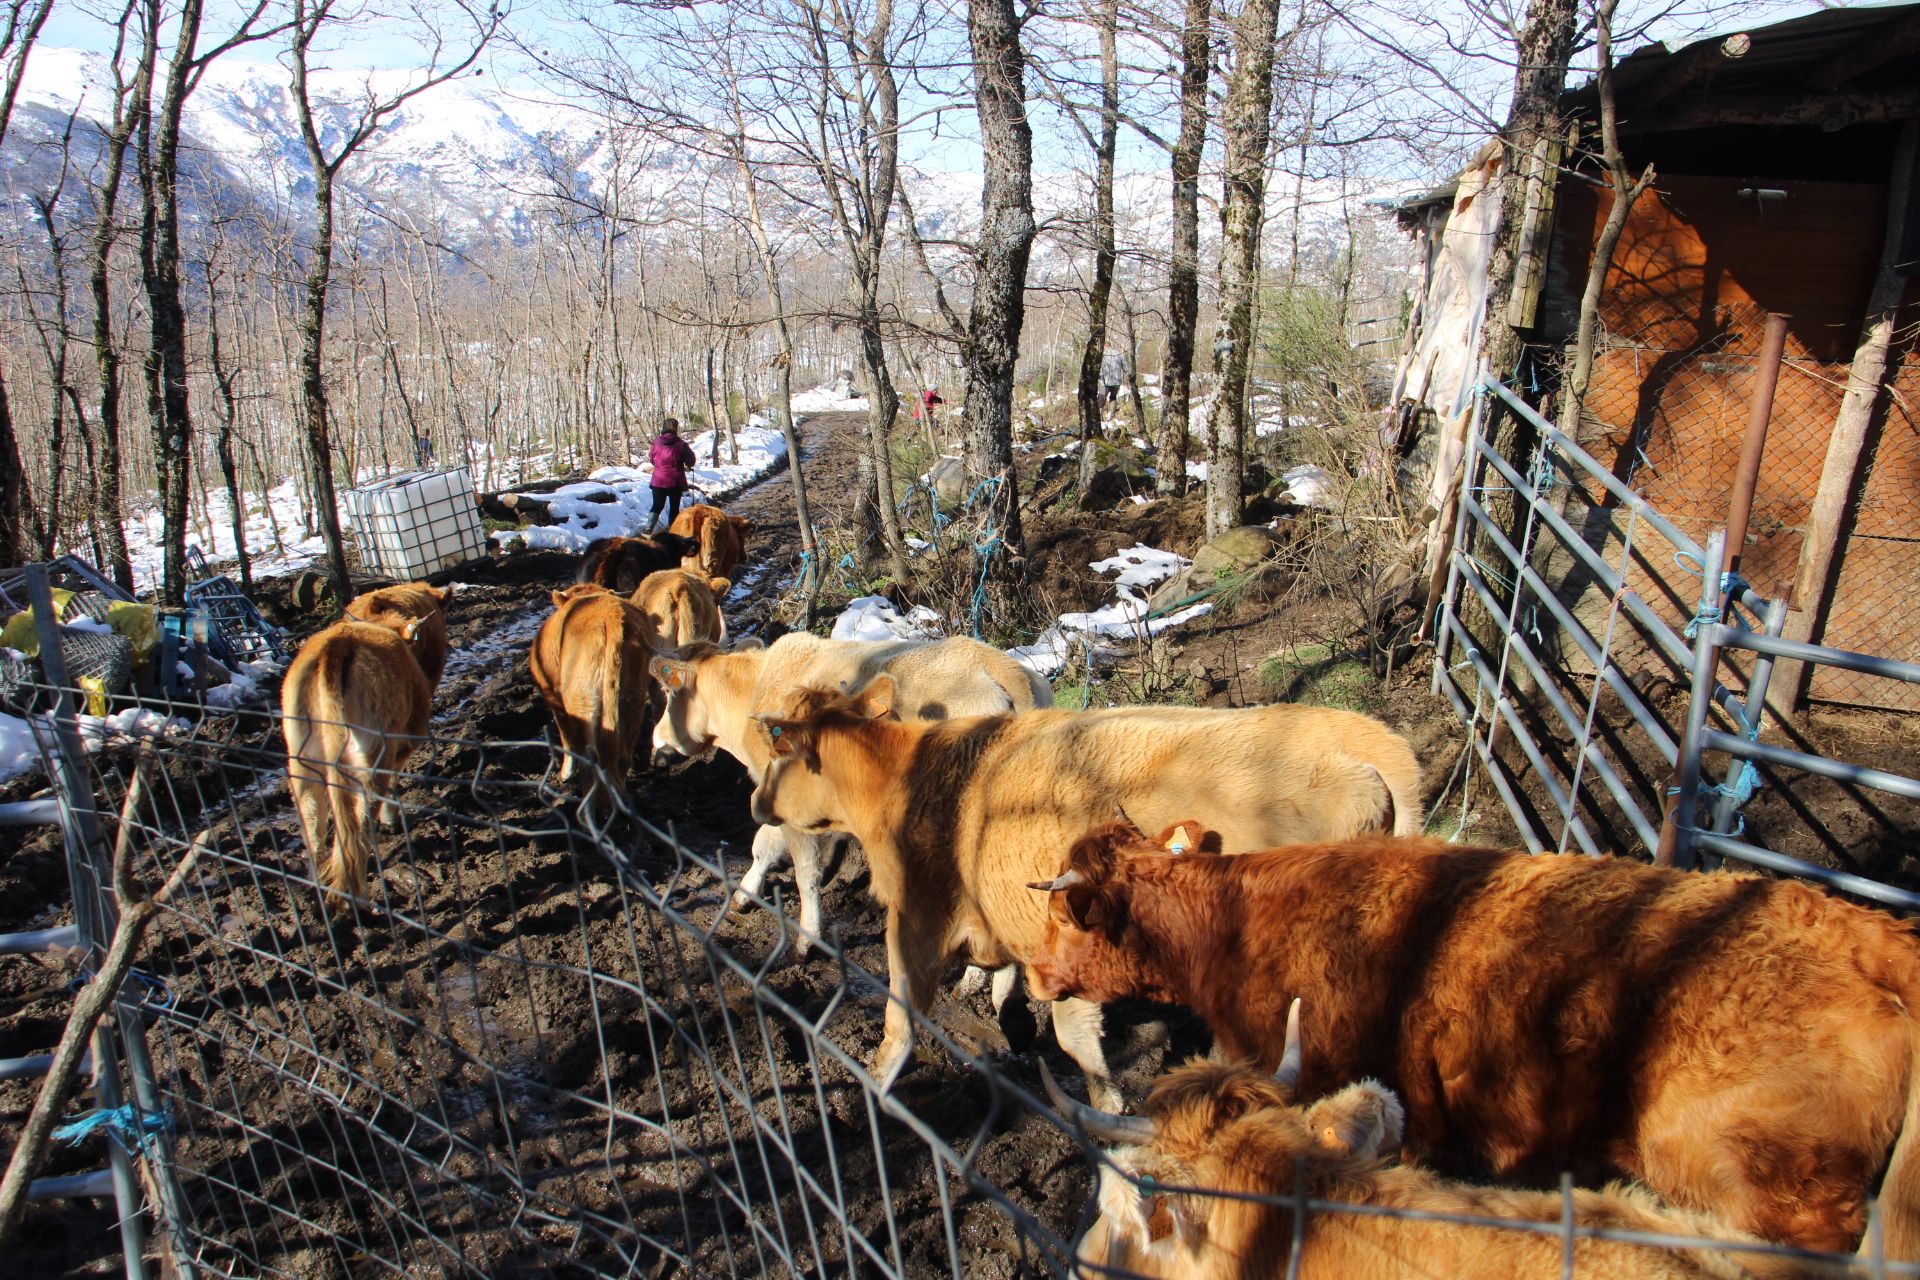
158 994
984 549
127 1124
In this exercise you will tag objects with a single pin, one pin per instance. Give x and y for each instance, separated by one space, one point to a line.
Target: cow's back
1743 1045
1009 795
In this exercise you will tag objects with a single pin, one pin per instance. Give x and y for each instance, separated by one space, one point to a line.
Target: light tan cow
721 538
1234 1130
589 662
353 704
958 817
683 607
712 697
397 605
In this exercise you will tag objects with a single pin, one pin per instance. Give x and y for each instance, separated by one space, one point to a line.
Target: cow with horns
1204 1186
1744 1046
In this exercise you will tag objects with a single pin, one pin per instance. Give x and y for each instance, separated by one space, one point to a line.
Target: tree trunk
1246 120
168 410
15 502
1000 263
1183 278
1103 250
224 377
1546 44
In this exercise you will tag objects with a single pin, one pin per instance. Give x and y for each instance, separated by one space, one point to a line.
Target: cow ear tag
1178 845
773 731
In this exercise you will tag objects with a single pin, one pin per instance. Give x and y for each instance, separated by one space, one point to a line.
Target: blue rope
984 549
127 1124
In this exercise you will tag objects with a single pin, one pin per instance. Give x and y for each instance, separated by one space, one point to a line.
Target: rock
1236 551
1110 487
949 480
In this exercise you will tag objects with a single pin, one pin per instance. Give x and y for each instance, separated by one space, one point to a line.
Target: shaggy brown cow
621 564
353 703
1742 1046
589 662
683 607
1236 1130
720 539
957 815
395 606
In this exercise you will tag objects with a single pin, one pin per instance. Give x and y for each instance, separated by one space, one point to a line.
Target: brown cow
353 704
1234 1130
720 539
683 607
589 662
957 815
1743 1046
621 564
395 606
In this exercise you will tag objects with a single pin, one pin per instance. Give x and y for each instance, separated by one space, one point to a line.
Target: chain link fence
1669 423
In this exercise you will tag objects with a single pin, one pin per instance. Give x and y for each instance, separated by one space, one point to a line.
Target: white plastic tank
411 525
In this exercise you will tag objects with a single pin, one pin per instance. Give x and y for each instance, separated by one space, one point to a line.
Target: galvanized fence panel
1561 620
534 1050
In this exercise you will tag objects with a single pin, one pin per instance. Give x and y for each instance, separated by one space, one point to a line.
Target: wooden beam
1692 64
1830 111
1866 386
1870 52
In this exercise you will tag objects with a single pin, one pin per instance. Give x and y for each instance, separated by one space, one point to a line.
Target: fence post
68 765
1676 848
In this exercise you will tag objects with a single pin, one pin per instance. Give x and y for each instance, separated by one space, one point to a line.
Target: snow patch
875 618
1141 566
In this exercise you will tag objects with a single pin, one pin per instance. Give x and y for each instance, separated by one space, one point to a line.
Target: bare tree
1246 119
1106 21
311 19
1625 189
20 24
1000 258
1183 279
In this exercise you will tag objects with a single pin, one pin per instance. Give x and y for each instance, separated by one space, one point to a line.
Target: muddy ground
491 929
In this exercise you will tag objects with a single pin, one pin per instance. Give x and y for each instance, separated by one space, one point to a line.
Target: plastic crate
413 525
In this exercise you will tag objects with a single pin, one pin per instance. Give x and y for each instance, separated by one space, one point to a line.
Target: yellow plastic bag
96 692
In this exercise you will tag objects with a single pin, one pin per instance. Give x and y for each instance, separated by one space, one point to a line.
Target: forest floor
1246 653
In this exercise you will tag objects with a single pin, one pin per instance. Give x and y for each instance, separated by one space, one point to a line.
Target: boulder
1236 550
949 480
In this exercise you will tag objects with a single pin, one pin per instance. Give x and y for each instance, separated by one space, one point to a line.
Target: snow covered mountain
466 154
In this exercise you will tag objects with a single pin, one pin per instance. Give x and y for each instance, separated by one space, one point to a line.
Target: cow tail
1402 816
1900 1189
606 718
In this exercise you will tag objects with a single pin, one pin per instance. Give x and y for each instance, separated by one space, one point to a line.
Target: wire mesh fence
1669 421
531 1050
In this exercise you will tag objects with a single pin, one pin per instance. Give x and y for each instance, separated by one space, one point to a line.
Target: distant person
928 399
671 456
1113 371
423 452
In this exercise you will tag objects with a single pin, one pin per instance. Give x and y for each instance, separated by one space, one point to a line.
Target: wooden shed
1785 159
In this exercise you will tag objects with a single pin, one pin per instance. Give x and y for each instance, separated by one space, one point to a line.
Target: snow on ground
1141 566
835 399
875 618
19 755
579 517
17 752
1125 619
1308 486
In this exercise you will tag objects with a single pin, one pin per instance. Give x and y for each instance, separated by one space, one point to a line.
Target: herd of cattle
1390 1012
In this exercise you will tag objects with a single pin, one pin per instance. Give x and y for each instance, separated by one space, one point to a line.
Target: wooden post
1866 382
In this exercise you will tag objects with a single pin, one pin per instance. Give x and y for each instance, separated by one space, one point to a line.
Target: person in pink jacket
671 456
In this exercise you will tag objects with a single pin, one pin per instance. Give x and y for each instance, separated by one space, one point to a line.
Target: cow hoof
389 817
740 900
663 758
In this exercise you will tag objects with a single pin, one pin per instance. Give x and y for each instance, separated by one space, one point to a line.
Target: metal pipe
92 903
1818 654
1746 475
74 1186
1753 707
1787 758
1673 849
1859 886
15 944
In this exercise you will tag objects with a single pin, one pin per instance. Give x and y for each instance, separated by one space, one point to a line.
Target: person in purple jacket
671 456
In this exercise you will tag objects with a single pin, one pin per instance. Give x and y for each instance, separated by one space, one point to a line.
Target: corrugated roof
1778 59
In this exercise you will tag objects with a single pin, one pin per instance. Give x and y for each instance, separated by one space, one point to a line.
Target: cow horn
1065 880
1288 1072
1101 1125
